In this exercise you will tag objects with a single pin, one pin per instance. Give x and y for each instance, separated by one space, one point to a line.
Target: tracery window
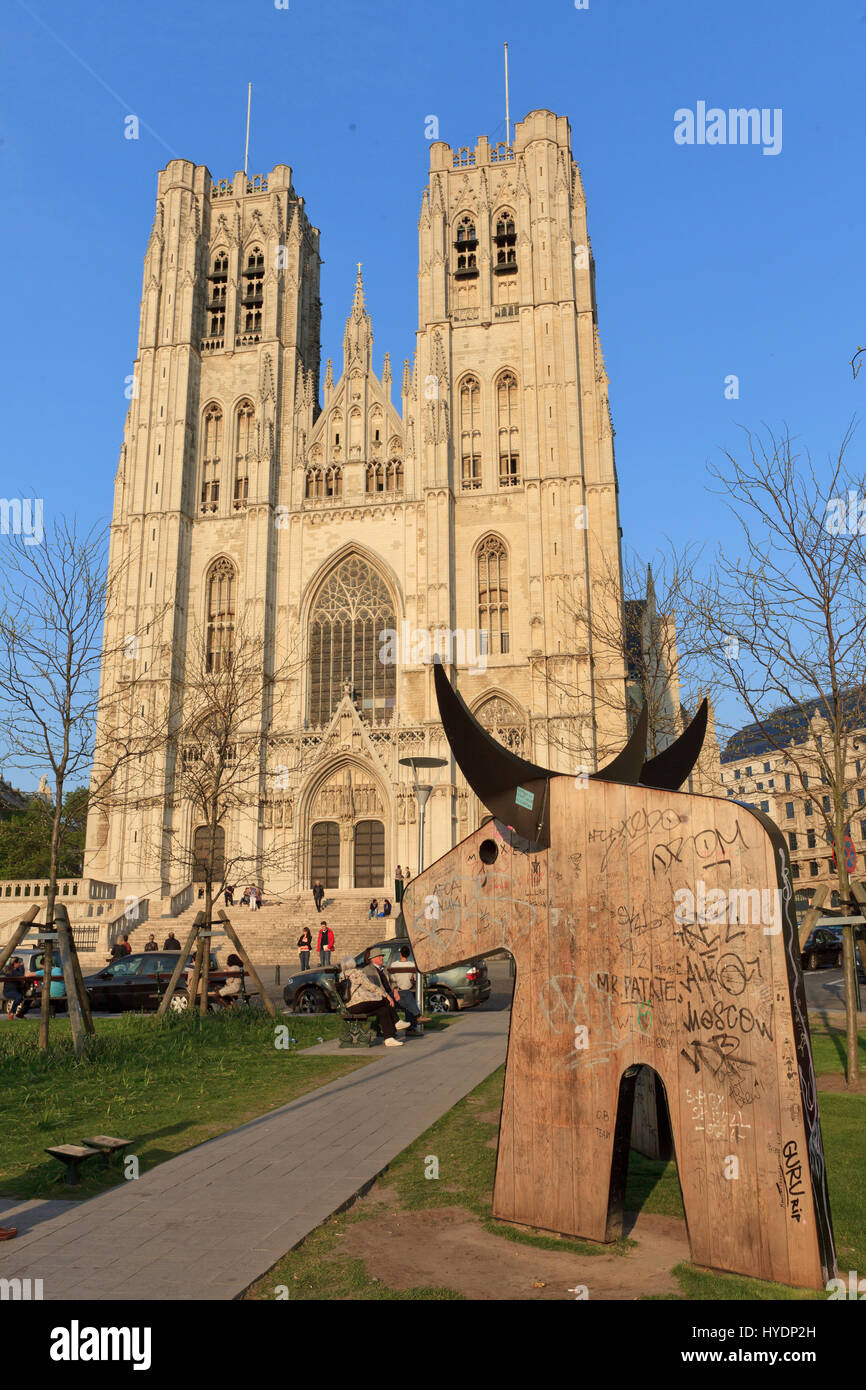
253 293
216 295
466 245
383 477
220 614
212 431
508 421
505 241
493 596
244 448
324 482
352 610
470 434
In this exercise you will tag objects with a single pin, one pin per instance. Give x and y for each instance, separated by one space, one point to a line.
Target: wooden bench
358 1030
107 1145
73 1155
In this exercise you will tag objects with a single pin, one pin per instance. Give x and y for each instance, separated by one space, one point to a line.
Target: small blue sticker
524 798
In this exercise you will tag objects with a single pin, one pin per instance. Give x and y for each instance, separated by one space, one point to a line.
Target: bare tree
228 703
783 621
639 622
54 596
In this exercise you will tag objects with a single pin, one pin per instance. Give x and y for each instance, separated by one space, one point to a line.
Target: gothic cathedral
364 533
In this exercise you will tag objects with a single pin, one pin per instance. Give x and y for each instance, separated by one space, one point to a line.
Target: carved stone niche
347 794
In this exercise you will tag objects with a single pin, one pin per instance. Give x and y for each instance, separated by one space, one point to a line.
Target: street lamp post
422 795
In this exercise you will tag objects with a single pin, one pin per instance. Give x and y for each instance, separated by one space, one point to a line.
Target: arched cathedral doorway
347 841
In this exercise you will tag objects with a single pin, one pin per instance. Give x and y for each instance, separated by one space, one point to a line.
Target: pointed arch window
386 477
493 621
253 294
351 612
211 454
508 427
505 242
465 249
244 448
470 434
220 614
216 296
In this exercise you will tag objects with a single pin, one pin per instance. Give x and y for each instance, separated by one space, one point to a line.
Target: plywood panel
656 931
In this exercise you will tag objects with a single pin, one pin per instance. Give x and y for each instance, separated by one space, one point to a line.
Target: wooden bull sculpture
649 928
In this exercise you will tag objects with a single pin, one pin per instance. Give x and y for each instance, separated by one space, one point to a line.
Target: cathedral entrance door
369 854
325 854
201 853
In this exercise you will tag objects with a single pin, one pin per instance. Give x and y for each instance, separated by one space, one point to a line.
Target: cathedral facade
359 530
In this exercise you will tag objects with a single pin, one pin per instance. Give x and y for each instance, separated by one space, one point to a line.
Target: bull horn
626 766
512 788
670 768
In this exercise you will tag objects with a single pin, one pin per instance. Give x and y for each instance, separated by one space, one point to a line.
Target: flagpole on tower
507 113
247 145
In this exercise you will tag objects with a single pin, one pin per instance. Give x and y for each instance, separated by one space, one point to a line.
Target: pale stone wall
538 322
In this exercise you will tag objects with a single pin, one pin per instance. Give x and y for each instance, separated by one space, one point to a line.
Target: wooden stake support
236 942
18 936
165 1001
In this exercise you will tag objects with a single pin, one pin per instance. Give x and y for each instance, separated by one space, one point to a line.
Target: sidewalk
208 1223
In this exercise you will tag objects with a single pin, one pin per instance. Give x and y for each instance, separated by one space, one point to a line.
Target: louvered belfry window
353 608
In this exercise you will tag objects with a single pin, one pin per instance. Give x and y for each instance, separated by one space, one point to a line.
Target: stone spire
358 338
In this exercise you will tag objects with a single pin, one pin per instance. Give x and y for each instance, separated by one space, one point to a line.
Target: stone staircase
269 934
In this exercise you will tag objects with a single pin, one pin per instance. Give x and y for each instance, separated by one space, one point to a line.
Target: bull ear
626 766
670 768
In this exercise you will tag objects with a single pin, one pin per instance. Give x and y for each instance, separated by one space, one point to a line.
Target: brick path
208 1223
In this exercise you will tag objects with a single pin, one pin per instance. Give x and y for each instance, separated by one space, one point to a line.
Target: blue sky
711 260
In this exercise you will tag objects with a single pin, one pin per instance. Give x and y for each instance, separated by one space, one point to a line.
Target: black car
823 946
139 981
445 991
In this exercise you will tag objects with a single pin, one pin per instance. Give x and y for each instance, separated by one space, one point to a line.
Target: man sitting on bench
366 992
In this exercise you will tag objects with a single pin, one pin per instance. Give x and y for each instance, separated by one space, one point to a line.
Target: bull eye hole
488 851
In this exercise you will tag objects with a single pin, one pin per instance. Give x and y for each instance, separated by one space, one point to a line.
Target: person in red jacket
325 944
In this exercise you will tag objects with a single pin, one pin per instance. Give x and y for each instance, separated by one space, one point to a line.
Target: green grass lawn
829 1049
166 1085
318 1270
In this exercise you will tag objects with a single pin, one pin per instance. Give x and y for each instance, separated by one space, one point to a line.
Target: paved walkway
208 1223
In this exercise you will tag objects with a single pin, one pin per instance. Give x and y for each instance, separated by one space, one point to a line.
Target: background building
753 770
475 507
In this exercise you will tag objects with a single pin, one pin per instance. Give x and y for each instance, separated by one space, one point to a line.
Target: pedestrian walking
318 894
171 943
305 945
325 943
260 897
254 898
229 895
398 884
151 944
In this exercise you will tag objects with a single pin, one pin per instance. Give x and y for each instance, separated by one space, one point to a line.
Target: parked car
139 981
33 962
823 946
445 991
